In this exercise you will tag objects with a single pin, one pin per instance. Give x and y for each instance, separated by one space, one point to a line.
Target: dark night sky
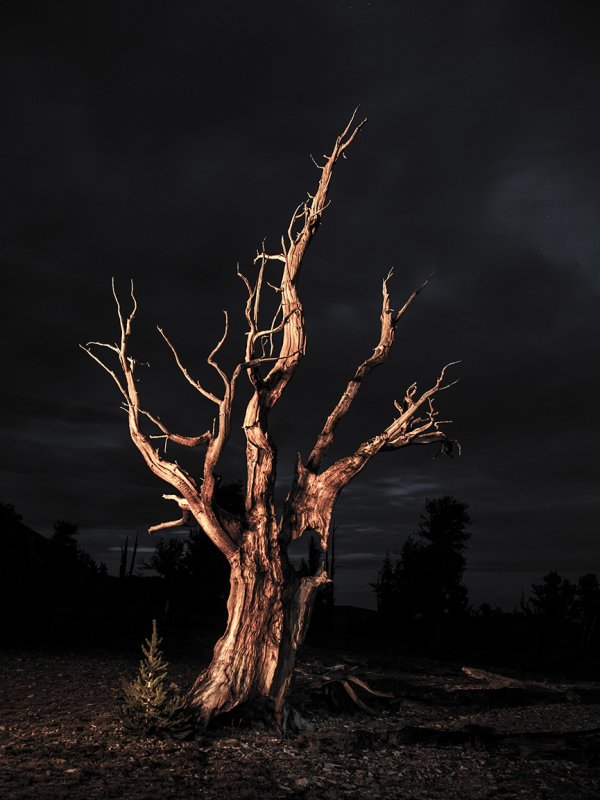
164 141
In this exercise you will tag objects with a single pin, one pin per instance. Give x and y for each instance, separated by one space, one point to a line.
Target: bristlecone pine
269 602
152 704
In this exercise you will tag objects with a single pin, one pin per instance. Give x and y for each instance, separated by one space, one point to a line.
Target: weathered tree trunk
269 604
268 613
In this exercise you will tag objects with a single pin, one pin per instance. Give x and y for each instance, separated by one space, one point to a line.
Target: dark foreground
444 734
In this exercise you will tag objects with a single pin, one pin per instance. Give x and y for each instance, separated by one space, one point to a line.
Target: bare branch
260 360
112 347
216 349
119 314
177 523
258 285
267 390
185 441
209 395
199 502
389 320
112 374
241 275
310 212
253 373
269 257
399 314
405 430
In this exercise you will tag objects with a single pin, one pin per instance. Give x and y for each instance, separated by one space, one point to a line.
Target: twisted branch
194 499
267 390
389 320
406 429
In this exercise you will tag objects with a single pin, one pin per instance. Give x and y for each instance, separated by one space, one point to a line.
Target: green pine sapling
152 705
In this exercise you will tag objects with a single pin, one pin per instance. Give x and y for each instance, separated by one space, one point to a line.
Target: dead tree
269 602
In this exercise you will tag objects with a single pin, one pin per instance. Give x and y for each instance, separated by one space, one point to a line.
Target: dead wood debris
58 739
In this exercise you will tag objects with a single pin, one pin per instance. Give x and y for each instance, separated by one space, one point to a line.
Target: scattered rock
429 744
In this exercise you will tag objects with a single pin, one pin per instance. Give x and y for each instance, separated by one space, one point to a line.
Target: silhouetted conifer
588 606
554 598
440 562
64 537
425 584
385 587
8 515
168 560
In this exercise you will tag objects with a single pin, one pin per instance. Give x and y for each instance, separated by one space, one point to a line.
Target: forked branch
272 354
389 319
406 429
176 523
301 230
194 499
196 384
409 429
167 435
287 324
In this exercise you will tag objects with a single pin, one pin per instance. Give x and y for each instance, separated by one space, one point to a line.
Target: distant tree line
563 608
423 589
421 596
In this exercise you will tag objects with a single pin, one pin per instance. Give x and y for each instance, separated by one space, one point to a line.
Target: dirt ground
443 734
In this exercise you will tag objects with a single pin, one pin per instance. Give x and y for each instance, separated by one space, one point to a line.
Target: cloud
167 146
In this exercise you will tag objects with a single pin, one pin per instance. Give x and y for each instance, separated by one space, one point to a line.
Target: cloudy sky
165 141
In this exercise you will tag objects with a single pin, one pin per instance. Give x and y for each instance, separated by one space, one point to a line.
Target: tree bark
269 609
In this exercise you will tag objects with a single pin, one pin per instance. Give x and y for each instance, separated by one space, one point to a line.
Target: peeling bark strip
269 603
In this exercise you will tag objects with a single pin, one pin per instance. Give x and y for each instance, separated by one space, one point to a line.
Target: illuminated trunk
269 609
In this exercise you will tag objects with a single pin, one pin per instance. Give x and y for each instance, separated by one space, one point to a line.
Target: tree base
254 660
260 714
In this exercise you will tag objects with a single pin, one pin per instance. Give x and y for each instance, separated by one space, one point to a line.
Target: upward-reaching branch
288 322
406 429
299 237
313 494
389 320
216 440
195 499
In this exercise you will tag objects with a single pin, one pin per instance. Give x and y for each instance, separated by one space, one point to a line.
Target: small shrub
153 705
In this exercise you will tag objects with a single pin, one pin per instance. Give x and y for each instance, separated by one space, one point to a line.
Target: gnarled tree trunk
268 613
270 603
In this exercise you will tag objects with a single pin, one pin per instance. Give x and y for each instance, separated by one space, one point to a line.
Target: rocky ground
443 733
